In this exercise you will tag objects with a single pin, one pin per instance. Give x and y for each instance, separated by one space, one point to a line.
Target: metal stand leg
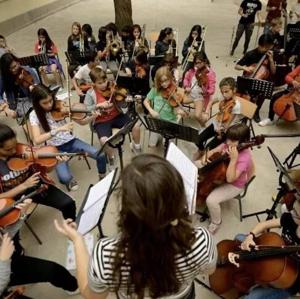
33 232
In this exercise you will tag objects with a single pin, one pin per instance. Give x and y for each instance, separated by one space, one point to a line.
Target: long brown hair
154 225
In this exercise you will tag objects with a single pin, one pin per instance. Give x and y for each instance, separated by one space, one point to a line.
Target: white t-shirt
61 137
84 74
196 92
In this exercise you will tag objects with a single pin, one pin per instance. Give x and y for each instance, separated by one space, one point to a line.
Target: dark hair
44 33
201 56
141 57
228 81
164 32
238 132
136 26
152 196
87 28
90 56
197 28
266 40
1 36
6 133
40 92
7 77
97 74
112 27
102 33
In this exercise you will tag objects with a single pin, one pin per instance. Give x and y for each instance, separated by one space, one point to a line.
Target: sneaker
213 227
73 293
256 118
134 149
266 122
73 185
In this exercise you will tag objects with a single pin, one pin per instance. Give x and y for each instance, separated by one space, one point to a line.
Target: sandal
213 227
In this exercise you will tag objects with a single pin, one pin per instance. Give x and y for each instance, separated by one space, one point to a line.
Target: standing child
239 172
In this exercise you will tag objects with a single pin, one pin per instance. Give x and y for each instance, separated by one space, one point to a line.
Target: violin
287 106
78 111
201 76
213 174
271 264
140 71
24 78
174 95
44 156
225 114
9 214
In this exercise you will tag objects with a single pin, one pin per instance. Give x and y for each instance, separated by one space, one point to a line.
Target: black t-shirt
9 179
250 7
251 57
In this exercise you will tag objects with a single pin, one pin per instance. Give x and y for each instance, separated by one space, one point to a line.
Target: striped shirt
199 259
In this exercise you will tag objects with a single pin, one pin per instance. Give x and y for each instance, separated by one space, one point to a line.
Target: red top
272 14
110 113
38 49
290 77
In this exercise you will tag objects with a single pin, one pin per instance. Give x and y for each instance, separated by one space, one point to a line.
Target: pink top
38 48
208 90
244 166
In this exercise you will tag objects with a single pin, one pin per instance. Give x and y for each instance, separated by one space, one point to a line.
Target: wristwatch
53 132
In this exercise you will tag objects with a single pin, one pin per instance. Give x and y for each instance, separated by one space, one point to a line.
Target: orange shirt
109 114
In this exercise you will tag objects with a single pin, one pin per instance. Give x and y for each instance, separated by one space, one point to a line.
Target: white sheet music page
188 171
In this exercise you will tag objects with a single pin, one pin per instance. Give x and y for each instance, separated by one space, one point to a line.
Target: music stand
76 57
282 190
170 130
154 60
289 161
117 140
93 208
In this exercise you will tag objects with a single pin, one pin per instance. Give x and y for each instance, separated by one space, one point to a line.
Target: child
45 45
157 104
82 80
59 134
229 114
194 40
200 83
111 117
239 172
140 42
87 32
165 42
4 48
247 63
290 225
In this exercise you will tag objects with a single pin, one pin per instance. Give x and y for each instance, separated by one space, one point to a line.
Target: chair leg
33 232
87 162
240 206
92 138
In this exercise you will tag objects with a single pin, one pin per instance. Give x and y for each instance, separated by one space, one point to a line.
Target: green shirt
161 105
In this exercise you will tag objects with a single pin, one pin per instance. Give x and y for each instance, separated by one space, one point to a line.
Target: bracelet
251 234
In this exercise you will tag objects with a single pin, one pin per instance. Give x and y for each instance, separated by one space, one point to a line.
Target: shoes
256 118
213 227
73 185
266 122
73 293
136 150
101 176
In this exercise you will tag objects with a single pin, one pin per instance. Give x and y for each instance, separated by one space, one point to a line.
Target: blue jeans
74 146
260 292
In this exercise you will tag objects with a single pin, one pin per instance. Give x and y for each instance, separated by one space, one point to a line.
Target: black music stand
282 189
289 161
170 130
112 186
154 60
117 140
76 57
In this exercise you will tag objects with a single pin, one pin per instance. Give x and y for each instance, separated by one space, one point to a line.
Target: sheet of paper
99 190
188 171
71 262
90 218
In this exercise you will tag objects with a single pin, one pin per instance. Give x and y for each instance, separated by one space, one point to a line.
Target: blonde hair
97 74
275 22
162 71
77 24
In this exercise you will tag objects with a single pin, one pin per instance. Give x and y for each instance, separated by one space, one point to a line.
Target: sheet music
99 190
188 171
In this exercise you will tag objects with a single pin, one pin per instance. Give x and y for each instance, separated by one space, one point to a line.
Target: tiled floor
219 16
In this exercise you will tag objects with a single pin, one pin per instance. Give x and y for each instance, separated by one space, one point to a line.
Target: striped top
200 258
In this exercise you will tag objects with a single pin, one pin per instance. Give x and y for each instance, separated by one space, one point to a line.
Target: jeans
260 292
248 28
75 146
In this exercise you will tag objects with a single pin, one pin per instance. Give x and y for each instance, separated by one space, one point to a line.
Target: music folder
93 207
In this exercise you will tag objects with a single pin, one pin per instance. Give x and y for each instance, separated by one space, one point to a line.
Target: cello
270 265
287 106
214 173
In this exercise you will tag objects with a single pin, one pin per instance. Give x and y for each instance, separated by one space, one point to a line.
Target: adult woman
158 253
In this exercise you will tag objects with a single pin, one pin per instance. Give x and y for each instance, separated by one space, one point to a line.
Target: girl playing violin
239 172
289 222
16 82
45 45
15 183
157 101
101 96
59 134
157 253
199 82
191 46
16 268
